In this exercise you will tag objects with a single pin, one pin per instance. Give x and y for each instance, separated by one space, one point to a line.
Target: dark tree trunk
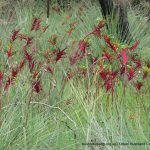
110 11
107 7
123 25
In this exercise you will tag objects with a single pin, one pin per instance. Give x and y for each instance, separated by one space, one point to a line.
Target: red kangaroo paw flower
114 74
59 54
50 70
82 46
137 62
106 56
122 70
14 35
14 73
9 52
124 57
31 66
1 78
97 32
36 85
138 85
94 60
135 45
21 65
131 73
108 85
35 74
97 29
103 73
36 24
8 83
29 40
112 46
28 56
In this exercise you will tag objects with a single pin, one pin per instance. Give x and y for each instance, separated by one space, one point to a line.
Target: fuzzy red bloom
36 24
135 45
97 32
21 65
9 52
28 56
36 85
124 57
1 78
111 45
35 74
106 55
14 73
59 54
103 73
131 73
122 70
31 66
137 62
1 75
108 85
97 29
14 35
138 85
82 46
29 40
11 78
114 74
94 60
50 70
8 83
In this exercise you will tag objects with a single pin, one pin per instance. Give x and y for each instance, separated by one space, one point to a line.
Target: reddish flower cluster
9 52
14 35
1 78
14 73
115 65
36 24
59 54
